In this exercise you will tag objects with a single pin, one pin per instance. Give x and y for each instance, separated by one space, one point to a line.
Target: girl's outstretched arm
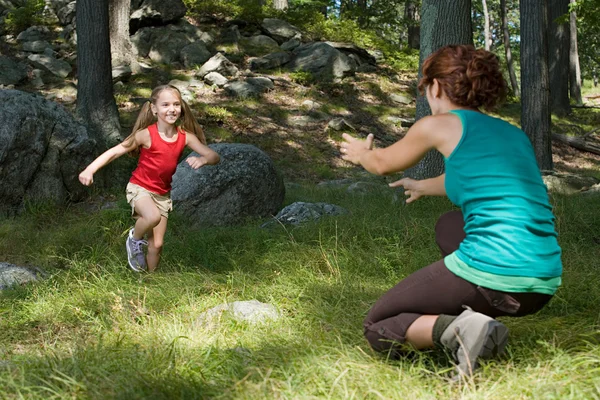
86 177
207 155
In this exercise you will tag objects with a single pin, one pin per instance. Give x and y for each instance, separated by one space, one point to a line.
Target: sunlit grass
93 329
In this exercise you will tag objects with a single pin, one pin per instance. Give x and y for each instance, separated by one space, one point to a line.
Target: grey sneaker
472 337
135 253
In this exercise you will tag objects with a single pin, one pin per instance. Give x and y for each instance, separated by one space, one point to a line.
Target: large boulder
245 184
42 151
322 60
155 12
280 30
11 72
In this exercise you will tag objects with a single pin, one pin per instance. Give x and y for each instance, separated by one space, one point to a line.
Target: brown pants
435 290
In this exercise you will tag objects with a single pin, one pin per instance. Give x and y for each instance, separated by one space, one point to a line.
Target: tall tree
558 56
95 101
121 50
442 23
487 36
280 4
535 89
507 50
574 71
411 18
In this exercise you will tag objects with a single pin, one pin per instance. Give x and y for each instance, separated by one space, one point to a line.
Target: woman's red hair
469 77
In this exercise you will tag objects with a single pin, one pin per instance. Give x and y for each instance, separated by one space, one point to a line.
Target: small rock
401 98
300 212
310 105
215 78
13 275
340 124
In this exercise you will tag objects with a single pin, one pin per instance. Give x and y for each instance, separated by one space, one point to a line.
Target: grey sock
440 326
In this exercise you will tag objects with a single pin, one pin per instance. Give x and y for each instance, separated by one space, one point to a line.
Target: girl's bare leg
149 217
155 243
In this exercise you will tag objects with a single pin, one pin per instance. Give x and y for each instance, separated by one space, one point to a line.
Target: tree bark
558 56
411 16
574 69
442 23
121 50
487 39
535 89
509 60
95 102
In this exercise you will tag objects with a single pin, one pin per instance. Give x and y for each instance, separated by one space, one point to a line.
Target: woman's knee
155 245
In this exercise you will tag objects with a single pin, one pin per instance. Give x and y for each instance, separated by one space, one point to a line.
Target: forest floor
92 329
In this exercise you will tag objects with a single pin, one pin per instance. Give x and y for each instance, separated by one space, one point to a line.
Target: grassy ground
93 329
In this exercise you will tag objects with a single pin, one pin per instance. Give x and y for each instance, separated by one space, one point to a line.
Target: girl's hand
196 162
86 178
352 148
412 188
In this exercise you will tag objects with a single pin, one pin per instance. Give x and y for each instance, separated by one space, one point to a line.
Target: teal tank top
493 176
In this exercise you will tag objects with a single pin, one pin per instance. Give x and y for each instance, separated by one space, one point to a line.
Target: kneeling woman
500 254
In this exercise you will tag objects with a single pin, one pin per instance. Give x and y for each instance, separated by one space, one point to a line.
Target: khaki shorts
163 202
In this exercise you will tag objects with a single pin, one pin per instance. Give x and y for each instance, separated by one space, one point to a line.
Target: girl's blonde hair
146 117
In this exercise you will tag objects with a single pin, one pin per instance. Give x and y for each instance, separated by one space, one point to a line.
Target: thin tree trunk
535 93
558 56
95 102
486 26
121 49
442 23
574 70
411 16
280 5
509 60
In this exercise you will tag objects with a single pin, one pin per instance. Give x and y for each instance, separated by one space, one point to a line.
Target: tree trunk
509 60
558 56
411 16
535 90
95 101
487 39
280 5
574 70
442 23
121 50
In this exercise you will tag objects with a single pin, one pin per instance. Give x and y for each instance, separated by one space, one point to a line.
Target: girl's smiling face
167 106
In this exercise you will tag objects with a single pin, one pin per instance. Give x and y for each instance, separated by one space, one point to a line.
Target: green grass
93 329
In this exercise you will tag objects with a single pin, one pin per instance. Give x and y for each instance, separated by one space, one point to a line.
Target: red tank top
158 163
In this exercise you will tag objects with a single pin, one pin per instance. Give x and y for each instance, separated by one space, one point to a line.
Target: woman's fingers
399 183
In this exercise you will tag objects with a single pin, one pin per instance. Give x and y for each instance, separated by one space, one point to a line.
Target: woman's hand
412 188
352 148
86 178
196 162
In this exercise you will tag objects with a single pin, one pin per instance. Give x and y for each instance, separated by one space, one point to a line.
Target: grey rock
167 47
244 185
377 55
259 45
216 79
11 72
261 81
300 212
243 89
362 55
179 84
34 33
230 35
279 30
66 13
38 46
218 63
290 44
155 12
311 105
340 124
594 190
322 60
195 54
42 151
402 121
314 118
401 98
59 68
14 275
36 78
270 61
251 311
